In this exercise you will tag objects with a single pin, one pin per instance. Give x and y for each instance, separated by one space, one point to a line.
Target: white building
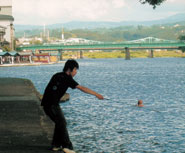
26 41
6 22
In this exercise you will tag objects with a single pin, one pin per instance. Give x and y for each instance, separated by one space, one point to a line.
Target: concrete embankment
24 128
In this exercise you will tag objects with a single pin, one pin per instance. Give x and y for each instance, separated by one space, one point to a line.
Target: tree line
119 34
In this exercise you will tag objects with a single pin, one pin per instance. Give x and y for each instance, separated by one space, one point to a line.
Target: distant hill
91 25
178 18
19 27
169 28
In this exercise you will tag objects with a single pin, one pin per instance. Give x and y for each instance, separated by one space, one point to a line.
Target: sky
40 12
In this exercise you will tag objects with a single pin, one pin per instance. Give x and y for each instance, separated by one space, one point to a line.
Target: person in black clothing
55 89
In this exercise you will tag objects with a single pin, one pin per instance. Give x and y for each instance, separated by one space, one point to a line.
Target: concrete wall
6 7
6 24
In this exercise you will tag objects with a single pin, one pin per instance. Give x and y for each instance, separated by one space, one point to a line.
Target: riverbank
24 126
133 54
103 54
121 54
29 64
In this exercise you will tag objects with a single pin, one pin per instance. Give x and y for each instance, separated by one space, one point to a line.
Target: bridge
145 43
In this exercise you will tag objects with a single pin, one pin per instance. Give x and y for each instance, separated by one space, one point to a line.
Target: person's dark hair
140 102
70 64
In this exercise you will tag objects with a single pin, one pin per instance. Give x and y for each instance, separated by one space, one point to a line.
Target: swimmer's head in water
140 103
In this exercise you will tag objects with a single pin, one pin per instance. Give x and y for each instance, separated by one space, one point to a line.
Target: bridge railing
103 46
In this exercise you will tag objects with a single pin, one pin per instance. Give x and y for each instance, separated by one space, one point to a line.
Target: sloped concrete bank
24 128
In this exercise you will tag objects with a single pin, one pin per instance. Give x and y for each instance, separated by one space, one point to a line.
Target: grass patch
121 54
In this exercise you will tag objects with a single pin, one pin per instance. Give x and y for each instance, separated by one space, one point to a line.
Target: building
2 33
6 23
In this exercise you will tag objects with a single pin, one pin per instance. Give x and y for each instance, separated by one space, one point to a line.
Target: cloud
66 10
60 11
176 1
118 3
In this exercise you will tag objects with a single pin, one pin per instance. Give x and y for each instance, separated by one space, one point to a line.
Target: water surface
117 125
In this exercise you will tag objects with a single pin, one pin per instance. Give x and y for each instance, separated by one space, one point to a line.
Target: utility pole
11 37
44 30
62 36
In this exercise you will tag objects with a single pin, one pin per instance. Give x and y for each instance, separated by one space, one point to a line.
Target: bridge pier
81 54
127 53
60 54
151 53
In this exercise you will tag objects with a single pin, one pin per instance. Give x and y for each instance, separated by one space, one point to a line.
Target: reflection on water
116 124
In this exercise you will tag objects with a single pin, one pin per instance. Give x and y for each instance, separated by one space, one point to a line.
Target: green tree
36 42
154 3
182 37
6 48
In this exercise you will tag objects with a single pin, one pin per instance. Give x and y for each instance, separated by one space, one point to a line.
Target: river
116 125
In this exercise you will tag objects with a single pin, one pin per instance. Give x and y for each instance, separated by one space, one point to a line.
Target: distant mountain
91 25
172 19
178 18
19 27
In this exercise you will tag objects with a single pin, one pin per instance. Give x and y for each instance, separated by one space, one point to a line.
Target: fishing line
108 99
114 100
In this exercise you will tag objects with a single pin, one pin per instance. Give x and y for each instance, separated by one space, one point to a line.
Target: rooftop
6 17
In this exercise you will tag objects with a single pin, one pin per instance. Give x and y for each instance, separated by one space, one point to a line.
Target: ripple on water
117 125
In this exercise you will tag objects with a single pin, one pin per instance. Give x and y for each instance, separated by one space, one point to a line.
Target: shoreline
29 64
106 55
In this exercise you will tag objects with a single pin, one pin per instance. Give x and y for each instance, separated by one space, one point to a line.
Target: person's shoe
66 150
54 148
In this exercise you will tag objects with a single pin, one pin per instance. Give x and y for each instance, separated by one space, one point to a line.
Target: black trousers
60 136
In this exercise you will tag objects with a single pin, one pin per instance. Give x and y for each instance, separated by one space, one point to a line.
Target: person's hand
99 96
